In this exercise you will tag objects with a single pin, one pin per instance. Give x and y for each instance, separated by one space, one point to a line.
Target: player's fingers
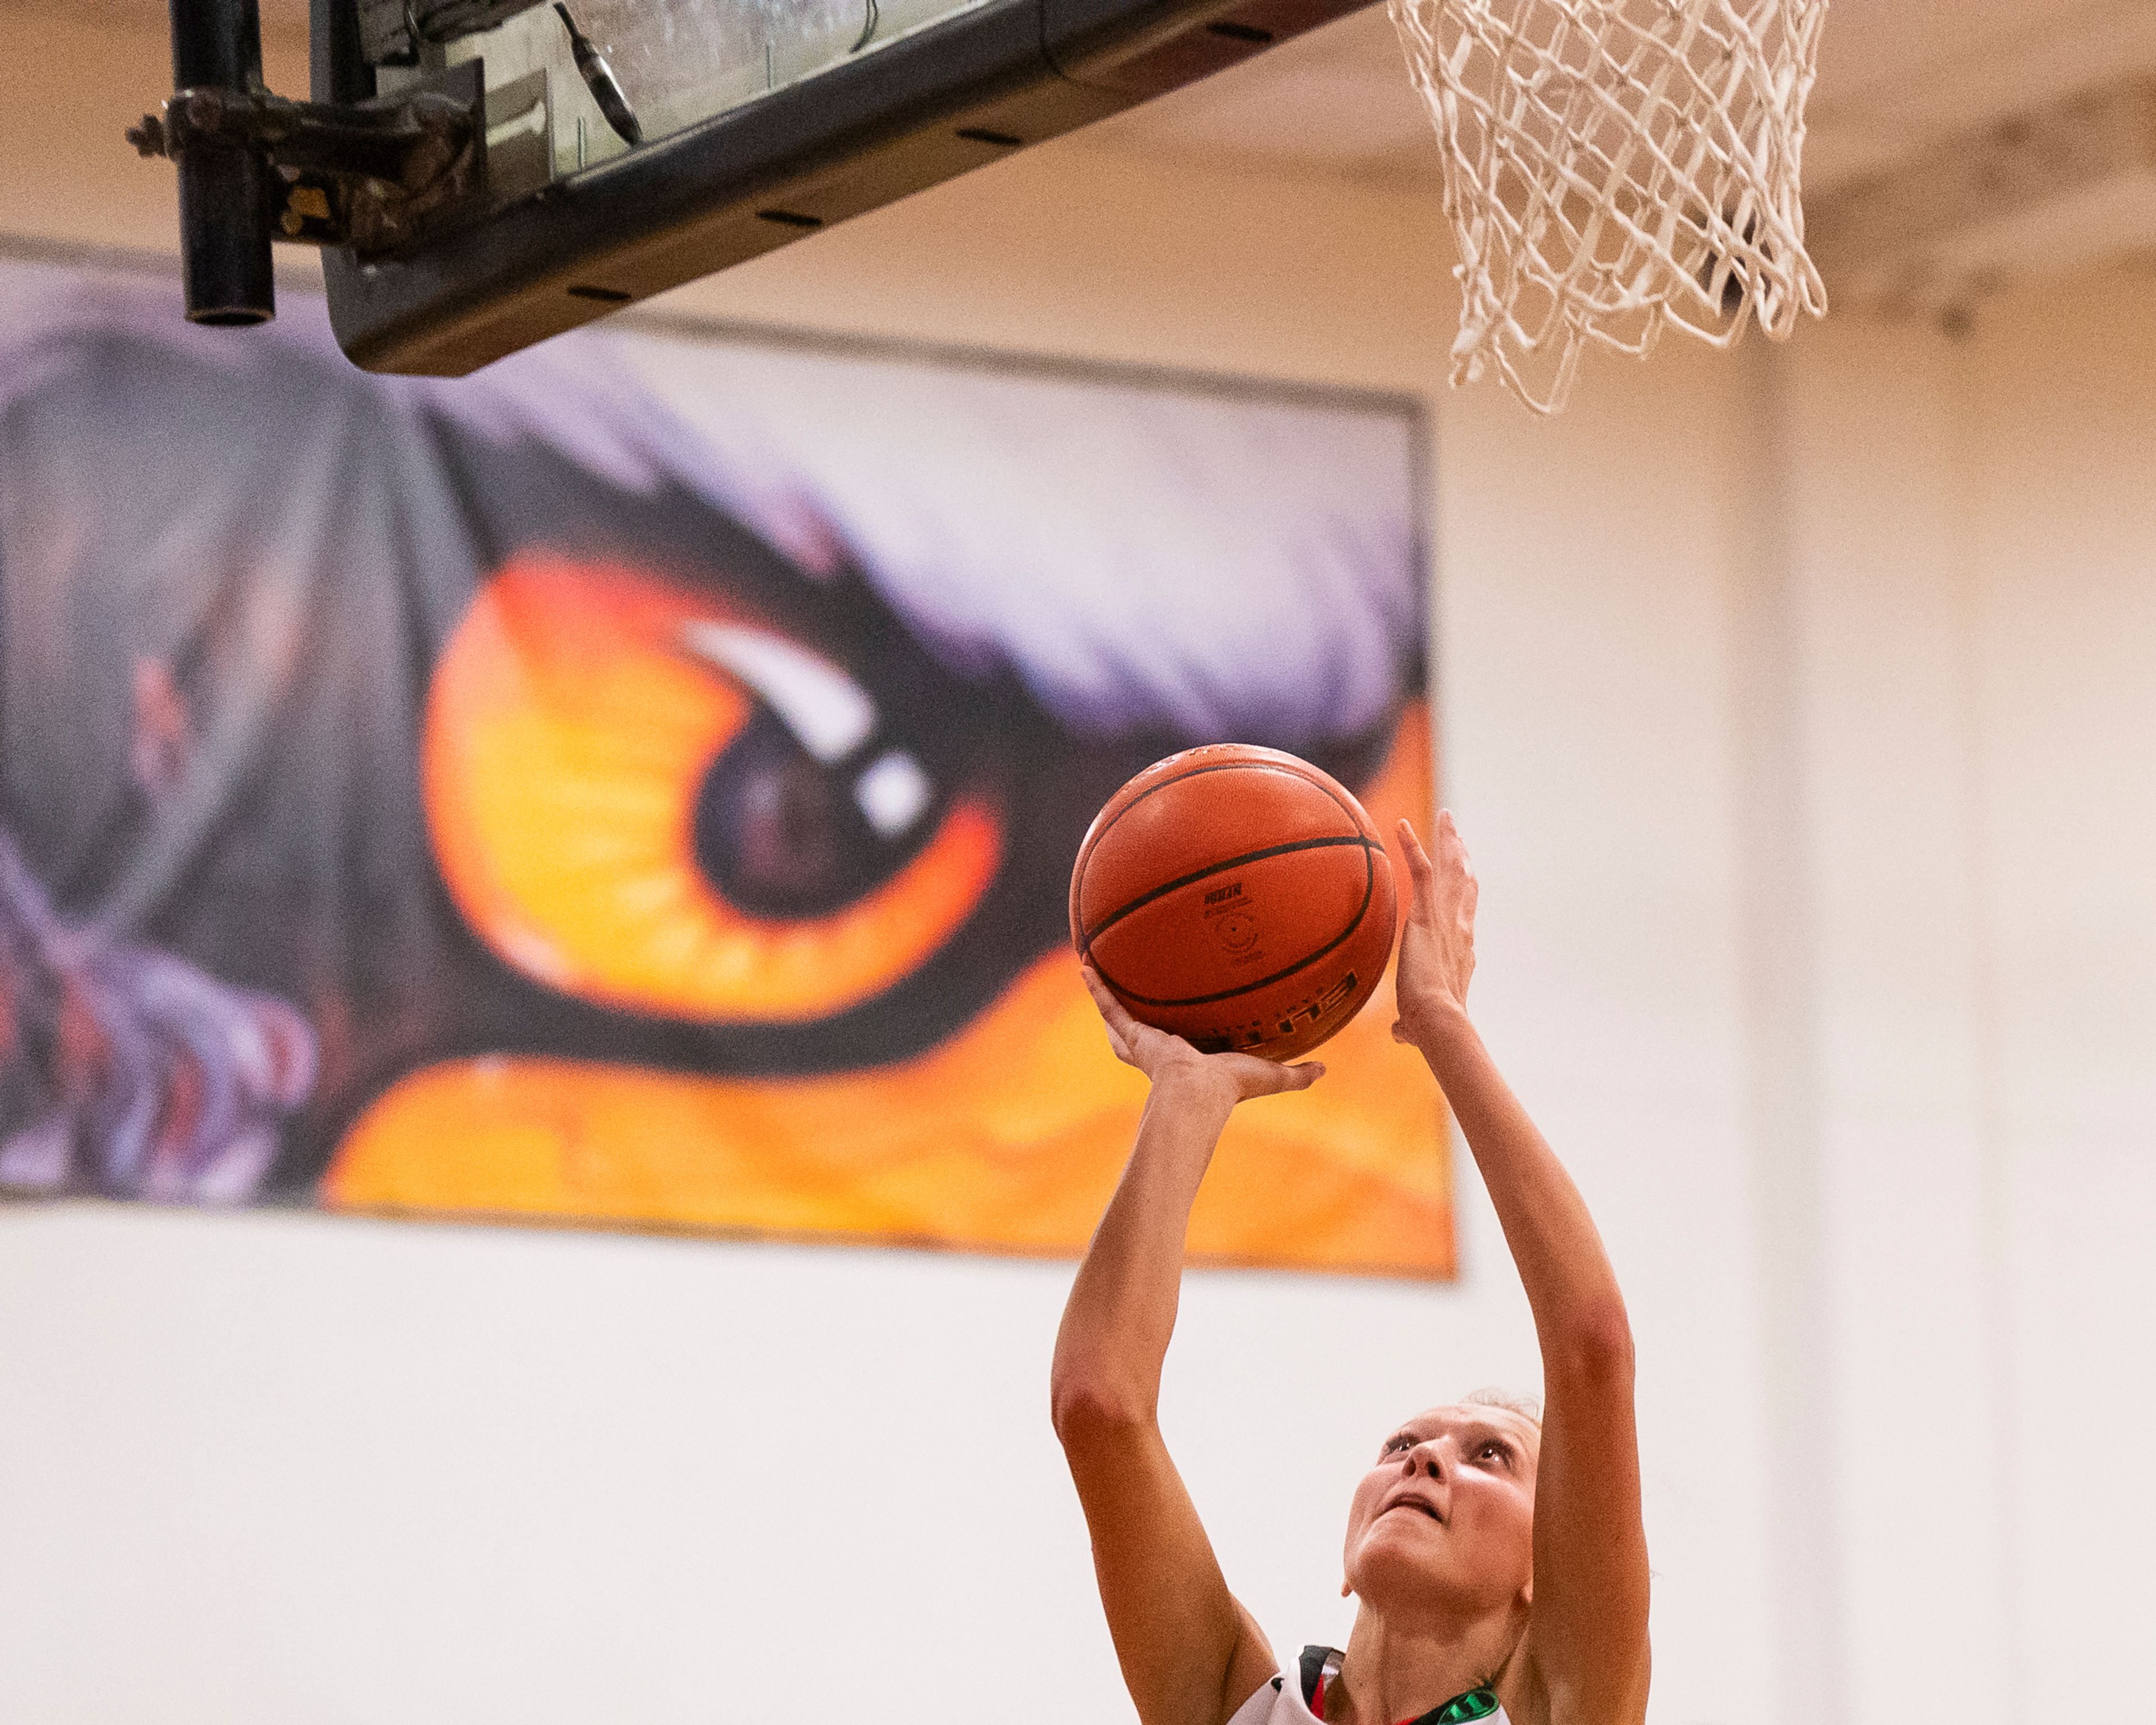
1112 1009
1418 864
1455 864
1301 1076
1121 1028
1422 877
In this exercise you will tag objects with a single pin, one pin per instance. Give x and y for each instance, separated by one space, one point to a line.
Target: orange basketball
1237 896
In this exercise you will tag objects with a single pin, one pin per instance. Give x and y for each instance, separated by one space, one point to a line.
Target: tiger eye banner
638 784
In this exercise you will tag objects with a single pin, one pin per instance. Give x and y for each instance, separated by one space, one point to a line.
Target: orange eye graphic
640 798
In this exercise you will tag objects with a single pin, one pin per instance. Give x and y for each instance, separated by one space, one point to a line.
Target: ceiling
1894 76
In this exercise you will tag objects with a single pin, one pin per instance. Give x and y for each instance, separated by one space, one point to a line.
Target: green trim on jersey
1319 1662
1476 1704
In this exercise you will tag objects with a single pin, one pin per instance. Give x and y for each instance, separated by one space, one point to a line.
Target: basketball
1237 896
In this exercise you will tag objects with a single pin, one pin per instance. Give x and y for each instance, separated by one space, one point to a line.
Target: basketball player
1498 1561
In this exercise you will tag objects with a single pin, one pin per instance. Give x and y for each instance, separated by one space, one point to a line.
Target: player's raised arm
1586 1642
1190 1654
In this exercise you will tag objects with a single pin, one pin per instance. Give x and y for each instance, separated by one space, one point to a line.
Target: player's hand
1168 1059
1437 947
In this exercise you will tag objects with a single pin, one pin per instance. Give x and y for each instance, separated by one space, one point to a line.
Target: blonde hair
1525 1406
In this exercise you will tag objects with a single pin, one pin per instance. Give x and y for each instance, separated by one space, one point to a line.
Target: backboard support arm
255 167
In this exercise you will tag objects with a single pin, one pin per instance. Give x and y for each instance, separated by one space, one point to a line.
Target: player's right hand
1167 1059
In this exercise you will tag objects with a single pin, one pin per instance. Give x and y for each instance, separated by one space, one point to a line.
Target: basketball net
1614 166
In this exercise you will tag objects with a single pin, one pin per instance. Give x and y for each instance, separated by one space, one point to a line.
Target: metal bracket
373 175
391 31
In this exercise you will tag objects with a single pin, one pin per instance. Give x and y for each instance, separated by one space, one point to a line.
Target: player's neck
1394 1671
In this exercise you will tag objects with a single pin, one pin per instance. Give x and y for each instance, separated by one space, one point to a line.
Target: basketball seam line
1369 892
1093 840
1162 890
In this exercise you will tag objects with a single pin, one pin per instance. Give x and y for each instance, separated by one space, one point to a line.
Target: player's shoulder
1286 1698
1541 1696
1274 1704
1292 1696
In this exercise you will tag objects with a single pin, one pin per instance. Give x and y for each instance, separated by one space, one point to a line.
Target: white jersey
1294 1696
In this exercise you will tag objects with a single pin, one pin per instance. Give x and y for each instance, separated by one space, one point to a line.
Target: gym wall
1798 707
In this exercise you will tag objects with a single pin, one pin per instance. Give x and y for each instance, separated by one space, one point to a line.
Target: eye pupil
785 838
782 835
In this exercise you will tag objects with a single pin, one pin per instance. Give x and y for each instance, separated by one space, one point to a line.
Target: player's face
1444 1518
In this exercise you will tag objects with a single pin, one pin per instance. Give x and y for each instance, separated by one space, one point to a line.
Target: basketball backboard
607 150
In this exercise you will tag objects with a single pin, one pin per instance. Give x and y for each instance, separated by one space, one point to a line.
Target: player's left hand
1437 945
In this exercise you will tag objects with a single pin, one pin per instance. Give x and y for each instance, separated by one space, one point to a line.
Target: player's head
1444 1521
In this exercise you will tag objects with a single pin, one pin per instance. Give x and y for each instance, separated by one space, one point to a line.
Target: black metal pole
225 204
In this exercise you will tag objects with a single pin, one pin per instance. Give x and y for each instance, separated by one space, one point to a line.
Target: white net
1612 166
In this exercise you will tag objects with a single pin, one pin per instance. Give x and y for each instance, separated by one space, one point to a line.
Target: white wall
1800 709
2061 633
1969 535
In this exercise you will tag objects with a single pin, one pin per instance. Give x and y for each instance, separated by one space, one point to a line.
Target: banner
638 784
